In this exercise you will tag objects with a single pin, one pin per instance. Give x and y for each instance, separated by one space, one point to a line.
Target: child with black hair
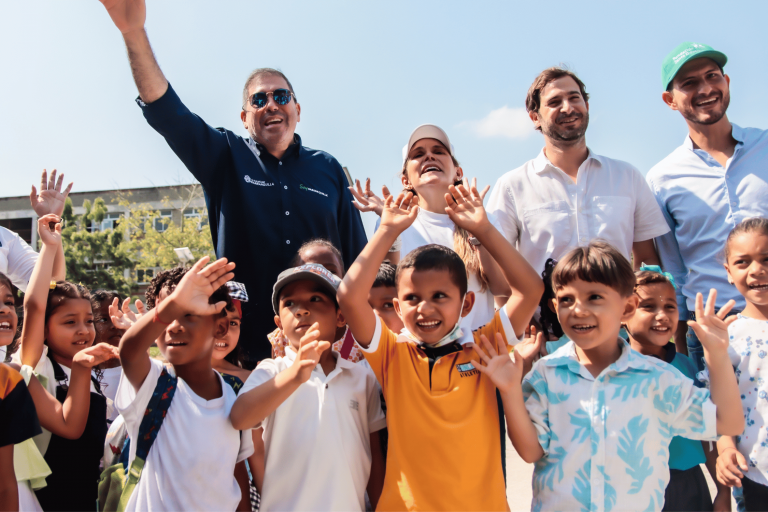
322 252
649 332
596 417
185 320
227 360
743 459
382 297
444 448
107 332
320 412
56 346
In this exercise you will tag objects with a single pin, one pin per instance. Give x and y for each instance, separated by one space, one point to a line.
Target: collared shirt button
288 242
595 481
287 213
285 187
280 163
326 386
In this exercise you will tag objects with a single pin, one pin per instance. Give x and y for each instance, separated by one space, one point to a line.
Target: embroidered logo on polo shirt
260 183
304 187
354 405
467 370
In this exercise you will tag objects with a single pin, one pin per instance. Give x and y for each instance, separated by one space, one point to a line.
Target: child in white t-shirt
321 413
191 465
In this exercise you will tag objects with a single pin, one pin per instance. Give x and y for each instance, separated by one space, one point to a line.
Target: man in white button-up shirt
716 179
568 196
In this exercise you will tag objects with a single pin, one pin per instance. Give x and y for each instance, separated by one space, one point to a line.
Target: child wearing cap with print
321 413
322 252
444 448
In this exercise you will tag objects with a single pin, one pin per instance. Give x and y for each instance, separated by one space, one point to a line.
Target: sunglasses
281 97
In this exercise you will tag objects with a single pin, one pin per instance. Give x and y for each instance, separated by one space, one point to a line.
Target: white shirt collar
541 163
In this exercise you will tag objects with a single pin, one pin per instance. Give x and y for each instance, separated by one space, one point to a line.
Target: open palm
367 201
50 198
712 328
501 367
465 207
399 212
198 284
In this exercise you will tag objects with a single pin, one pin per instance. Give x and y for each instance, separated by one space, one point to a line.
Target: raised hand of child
731 466
465 206
399 212
504 369
95 355
199 283
49 229
50 199
531 348
124 318
310 349
367 201
711 328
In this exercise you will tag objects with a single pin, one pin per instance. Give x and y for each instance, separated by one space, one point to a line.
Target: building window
196 216
145 275
110 221
163 219
22 227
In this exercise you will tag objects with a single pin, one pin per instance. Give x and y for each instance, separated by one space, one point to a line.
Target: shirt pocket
549 226
613 220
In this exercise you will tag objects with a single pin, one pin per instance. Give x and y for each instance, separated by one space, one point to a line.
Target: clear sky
365 73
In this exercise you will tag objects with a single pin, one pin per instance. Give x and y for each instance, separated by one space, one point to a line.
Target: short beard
690 115
568 138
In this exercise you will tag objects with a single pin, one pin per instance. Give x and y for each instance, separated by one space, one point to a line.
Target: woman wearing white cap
429 168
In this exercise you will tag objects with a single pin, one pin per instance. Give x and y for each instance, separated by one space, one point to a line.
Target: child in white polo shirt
321 413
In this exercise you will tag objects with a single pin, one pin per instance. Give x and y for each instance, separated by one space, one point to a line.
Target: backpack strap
148 430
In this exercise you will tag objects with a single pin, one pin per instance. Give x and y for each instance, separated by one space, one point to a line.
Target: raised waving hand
127 15
124 317
197 286
50 198
367 201
465 206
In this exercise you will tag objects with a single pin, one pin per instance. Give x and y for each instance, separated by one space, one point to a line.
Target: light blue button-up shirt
606 438
702 202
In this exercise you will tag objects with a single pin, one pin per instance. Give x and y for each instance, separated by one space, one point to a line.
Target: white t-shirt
17 258
110 378
545 214
437 228
191 464
317 443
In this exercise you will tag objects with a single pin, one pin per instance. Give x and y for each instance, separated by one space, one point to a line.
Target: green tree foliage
151 238
141 239
95 259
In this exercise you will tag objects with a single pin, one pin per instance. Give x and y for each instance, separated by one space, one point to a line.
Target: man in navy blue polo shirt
266 194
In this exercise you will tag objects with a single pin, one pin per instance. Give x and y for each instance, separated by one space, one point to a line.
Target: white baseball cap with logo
428 131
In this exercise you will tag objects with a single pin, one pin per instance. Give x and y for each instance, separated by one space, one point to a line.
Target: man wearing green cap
705 187
716 179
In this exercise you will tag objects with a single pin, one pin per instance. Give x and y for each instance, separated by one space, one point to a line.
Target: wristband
474 241
156 318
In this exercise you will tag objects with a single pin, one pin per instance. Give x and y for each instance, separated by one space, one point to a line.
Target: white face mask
452 336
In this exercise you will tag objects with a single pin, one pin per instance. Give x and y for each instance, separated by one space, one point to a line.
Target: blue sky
365 73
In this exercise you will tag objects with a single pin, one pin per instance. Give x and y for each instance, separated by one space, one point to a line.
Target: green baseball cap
682 54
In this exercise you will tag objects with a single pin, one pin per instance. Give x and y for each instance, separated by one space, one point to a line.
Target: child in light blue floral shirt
596 417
